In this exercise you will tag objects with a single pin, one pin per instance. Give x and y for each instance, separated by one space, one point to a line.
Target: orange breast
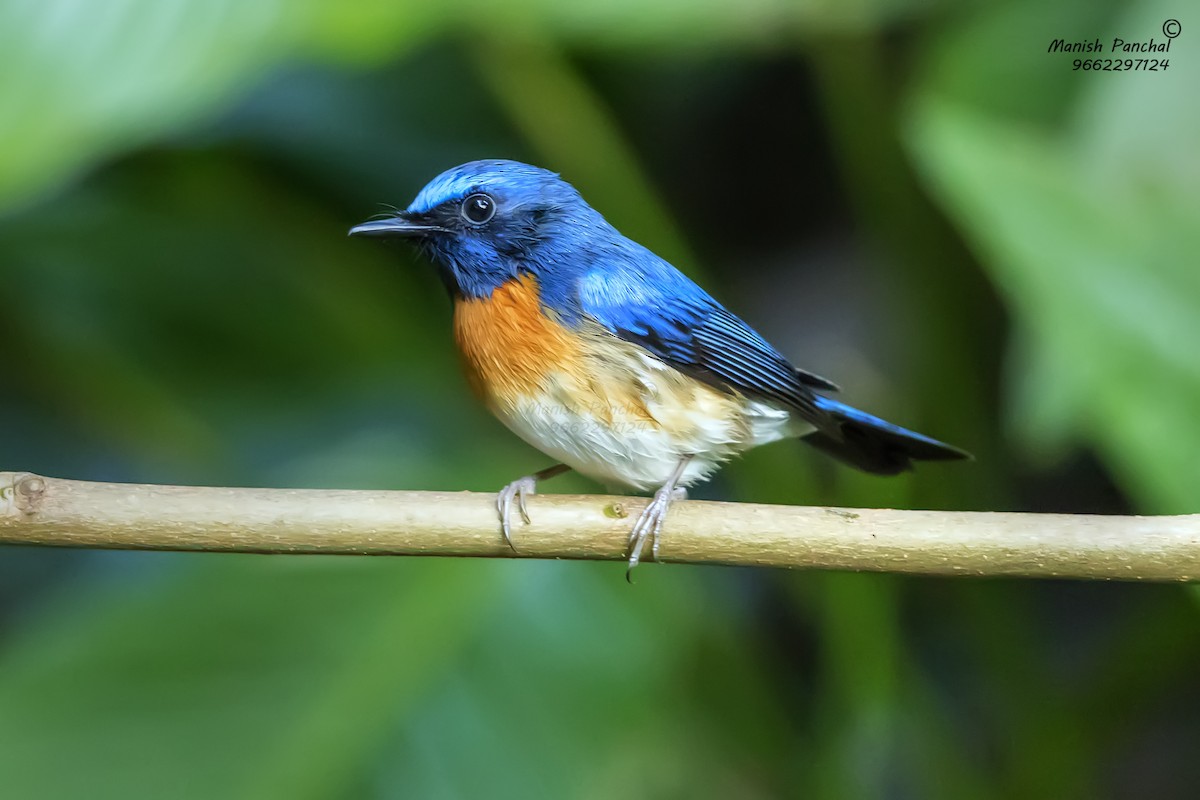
509 345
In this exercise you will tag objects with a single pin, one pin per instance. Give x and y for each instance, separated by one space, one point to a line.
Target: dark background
915 201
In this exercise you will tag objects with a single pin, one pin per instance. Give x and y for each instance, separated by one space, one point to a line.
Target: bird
607 358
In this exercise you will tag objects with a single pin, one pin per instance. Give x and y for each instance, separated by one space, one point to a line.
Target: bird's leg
650 523
678 493
517 490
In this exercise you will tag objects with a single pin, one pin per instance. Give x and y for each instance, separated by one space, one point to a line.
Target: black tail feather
873 445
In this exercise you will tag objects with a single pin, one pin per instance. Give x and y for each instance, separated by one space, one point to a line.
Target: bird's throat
508 343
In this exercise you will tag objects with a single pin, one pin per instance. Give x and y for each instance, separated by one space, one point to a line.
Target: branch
63 513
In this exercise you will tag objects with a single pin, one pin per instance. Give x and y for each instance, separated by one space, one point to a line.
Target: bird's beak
399 225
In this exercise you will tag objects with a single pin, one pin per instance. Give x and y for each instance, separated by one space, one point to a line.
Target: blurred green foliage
920 203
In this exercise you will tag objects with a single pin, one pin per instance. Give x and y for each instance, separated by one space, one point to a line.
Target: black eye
478 209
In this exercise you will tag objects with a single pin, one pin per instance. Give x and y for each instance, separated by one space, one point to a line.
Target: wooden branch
35 510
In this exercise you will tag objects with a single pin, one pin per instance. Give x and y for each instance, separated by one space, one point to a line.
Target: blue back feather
643 299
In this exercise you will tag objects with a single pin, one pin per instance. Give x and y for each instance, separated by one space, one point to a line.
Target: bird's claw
649 525
517 490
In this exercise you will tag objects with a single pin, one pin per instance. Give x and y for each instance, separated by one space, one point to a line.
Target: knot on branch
21 493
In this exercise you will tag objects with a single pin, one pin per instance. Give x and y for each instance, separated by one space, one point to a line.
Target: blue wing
643 299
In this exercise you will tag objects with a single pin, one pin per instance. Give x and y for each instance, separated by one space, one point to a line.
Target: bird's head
486 222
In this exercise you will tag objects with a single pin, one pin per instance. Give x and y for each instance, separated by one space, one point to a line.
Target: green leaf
1091 233
82 81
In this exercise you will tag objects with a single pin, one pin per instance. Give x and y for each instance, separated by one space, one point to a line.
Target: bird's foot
515 494
649 525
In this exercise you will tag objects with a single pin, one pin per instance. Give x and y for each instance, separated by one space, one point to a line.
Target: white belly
633 431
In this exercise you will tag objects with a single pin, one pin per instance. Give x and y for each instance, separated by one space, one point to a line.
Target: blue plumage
631 332
588 269
645 300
